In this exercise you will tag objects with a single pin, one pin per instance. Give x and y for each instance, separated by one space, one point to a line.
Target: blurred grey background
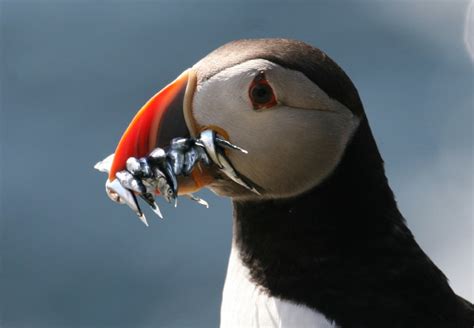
73 73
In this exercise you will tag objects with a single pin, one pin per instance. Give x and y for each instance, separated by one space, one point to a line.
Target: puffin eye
261 93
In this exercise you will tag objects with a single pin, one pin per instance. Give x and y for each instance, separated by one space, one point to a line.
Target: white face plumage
294 144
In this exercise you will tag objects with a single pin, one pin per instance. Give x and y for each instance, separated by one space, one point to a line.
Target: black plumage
343 247
344 250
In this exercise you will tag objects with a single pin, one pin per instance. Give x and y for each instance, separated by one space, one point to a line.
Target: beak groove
162 116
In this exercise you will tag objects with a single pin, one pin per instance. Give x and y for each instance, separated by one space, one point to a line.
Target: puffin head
287 103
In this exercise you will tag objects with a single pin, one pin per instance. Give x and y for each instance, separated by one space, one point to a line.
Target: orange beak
167 115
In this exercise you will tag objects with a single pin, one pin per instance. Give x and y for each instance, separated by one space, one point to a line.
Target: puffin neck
314 241
354 202
343 249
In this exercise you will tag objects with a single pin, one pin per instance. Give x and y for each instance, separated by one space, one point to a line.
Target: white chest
245 304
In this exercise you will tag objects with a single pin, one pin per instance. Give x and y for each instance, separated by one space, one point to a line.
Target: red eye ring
261 93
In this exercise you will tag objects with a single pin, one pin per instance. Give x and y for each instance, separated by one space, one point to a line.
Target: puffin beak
167 115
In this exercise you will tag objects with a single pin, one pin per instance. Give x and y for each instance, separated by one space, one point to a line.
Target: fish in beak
161 119
166 116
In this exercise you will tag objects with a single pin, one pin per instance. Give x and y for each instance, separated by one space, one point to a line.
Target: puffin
318 239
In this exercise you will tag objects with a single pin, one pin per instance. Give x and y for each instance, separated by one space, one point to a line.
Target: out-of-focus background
73 73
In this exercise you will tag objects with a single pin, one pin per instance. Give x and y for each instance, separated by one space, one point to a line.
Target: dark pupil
261 93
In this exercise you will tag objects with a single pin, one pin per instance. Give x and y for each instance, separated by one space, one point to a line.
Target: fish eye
261 93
